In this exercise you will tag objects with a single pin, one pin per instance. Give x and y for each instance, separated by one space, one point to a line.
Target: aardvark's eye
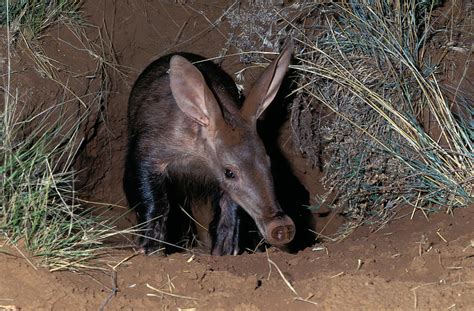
229 173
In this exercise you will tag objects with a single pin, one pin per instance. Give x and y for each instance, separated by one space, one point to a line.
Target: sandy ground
411 264
418 263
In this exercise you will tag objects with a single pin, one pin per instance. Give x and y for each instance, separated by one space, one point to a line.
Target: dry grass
393 138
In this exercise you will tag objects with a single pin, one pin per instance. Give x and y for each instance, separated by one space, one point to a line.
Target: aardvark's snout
280 230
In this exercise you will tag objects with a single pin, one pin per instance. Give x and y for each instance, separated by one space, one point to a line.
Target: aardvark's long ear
191 92
265 89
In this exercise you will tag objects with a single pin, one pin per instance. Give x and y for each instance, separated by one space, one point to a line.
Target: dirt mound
409 264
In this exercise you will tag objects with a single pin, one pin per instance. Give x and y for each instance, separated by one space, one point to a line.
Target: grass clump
30 18
39 206
394 138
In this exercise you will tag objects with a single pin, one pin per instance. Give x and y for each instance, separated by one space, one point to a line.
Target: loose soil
410 264
414 262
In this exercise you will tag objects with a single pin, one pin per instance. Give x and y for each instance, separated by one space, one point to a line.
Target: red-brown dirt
420 263
410 264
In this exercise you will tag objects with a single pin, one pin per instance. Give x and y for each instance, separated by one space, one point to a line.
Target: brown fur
188 130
